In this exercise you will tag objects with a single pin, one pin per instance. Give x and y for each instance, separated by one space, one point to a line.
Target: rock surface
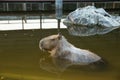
90 21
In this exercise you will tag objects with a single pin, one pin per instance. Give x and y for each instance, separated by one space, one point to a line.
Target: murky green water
20 56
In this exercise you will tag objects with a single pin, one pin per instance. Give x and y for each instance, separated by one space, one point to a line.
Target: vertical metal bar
40 21
77 4
113 5
24 6
58 5
7 8
105 5
93 4
59 20
24 16
22 24
40 16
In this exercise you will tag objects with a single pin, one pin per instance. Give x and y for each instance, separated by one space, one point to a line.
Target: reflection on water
54 65
58 65
21 58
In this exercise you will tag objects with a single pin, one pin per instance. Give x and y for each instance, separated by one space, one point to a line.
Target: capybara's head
50 42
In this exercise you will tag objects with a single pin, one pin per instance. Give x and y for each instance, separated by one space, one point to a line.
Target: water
20 56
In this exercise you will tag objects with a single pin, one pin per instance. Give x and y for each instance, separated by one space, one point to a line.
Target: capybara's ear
59 36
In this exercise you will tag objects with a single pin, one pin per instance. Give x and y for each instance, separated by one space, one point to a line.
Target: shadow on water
21 58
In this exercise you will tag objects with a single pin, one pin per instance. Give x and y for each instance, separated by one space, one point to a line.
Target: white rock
90 21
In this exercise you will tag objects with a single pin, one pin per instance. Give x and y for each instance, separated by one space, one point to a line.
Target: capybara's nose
41 44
